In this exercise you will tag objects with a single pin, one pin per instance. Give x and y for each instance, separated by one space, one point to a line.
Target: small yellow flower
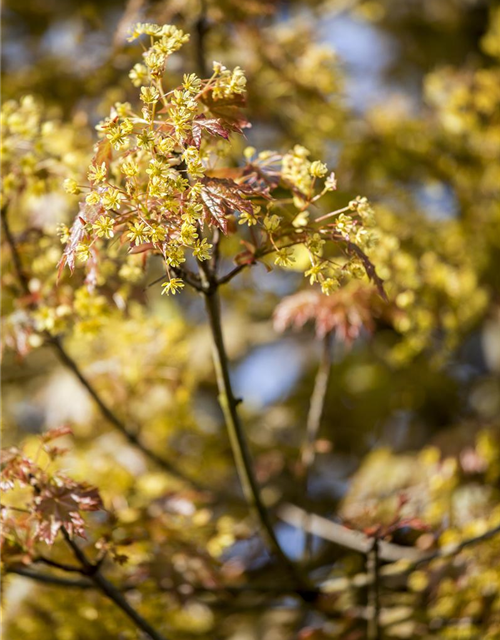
149 95
318 169
172 286
313 273
112 198
284 257
329 285
129 168
63 233
202 250
116 136
138 74
191 83
92 198
97 173
271 223
188 233
247 218
156 233
103 227
175 256
127 126
83 251
137 233
71 186
249 152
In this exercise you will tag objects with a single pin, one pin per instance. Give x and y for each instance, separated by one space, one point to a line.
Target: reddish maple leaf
368 266
213 126
346 312
228 110
221 197
104 153
88 214
15 467
58 432
59 506
266 179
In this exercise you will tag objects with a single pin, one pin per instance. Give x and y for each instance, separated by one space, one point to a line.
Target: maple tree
381 459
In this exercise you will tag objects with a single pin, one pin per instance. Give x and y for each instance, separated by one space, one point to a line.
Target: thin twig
57 565
373 570
111 417
229 276
345 537
16 258
226 590
110 591
314 417
50 579
387 551
57 344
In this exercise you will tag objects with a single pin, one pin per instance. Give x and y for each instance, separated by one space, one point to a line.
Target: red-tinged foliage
222 197
104 153
264 178
212 126
58 432
88 214
346 311
228 110
369 267
15 467
59 506
55 501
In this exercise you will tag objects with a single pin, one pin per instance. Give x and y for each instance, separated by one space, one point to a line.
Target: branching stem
110 591
63 355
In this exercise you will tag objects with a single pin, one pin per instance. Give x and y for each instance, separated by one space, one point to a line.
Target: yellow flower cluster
149 180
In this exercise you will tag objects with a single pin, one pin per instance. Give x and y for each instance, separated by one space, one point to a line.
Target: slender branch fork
92 571
56 343
359 581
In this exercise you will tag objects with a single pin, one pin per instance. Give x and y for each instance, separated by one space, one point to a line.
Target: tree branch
110 591
231 590
238 441
16 257
387 551
373 570
315 414
51 579
57 565
57 344
229 276
112 418
345 537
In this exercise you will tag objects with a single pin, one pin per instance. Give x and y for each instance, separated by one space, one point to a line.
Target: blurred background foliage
402 99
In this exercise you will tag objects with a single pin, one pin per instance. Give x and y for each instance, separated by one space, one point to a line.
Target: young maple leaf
228 110
15 467
88 214
59 506
221 197
265 179
213 126
346 312
57 432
